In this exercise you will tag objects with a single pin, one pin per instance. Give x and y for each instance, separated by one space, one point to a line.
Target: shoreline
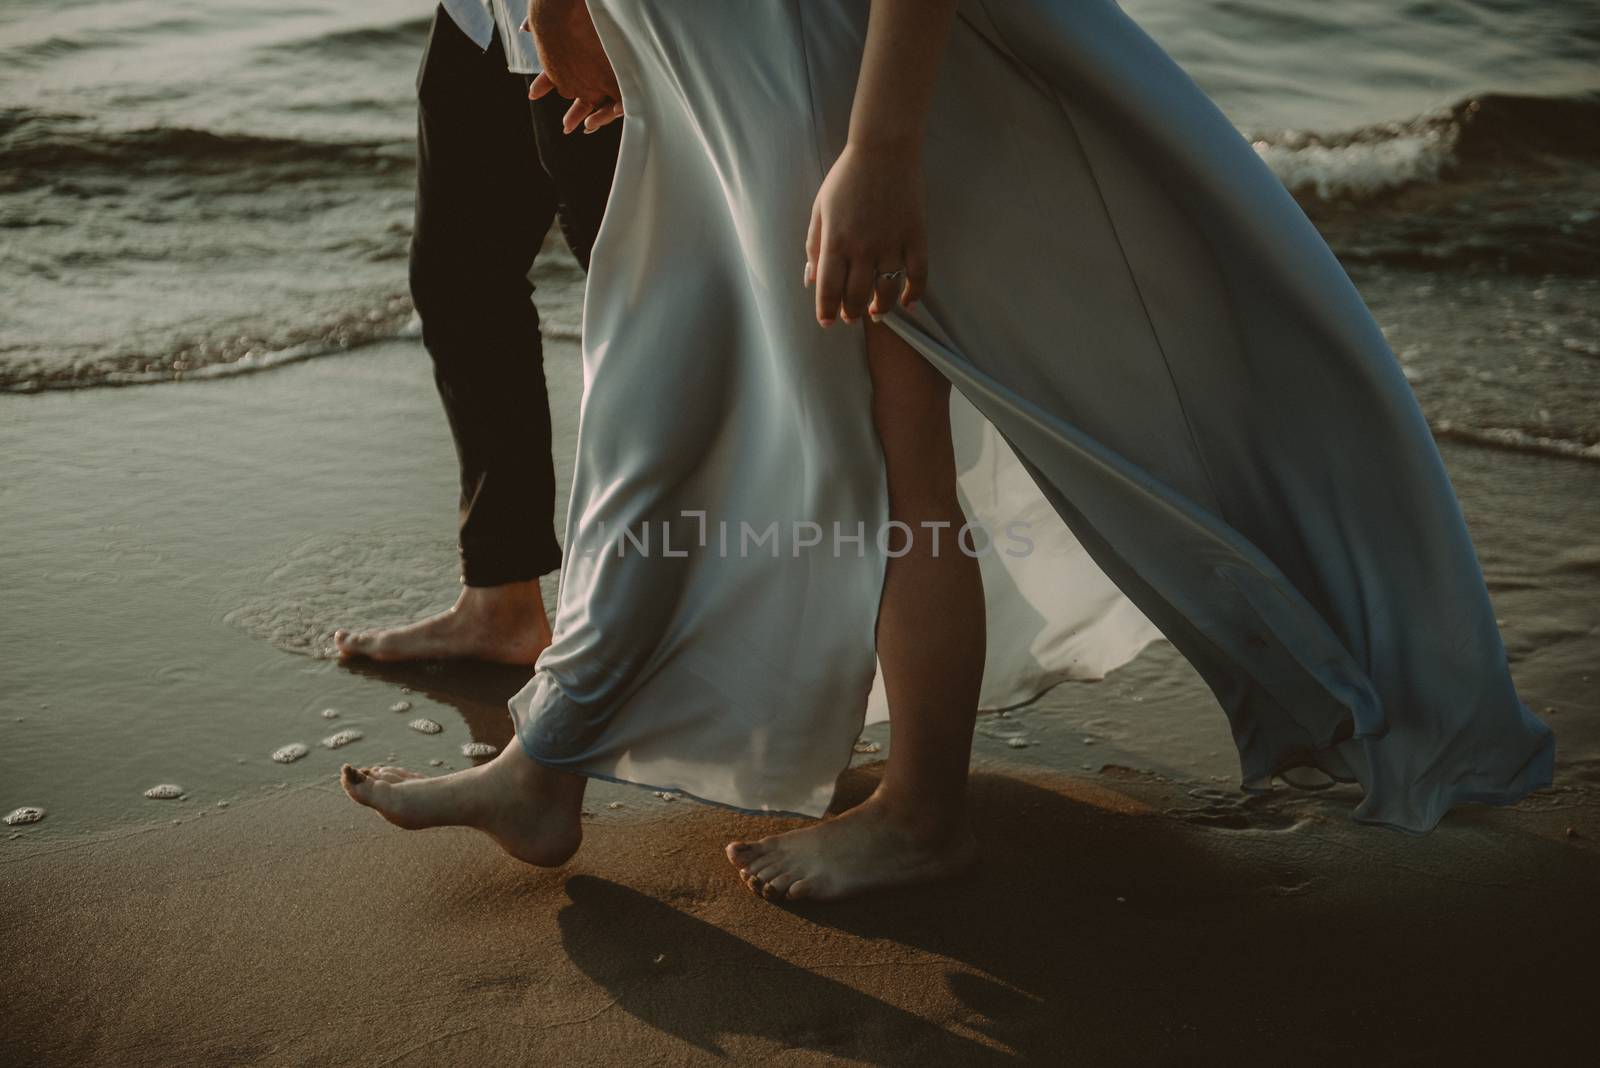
197 545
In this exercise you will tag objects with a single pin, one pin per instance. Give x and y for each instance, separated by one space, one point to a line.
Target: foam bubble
25 814
289 753
435 763
426 726
330 581
867 747
400 706
330 713
164 792
1017 742
342 738
479 749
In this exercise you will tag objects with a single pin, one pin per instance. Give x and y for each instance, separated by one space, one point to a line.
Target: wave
229 354
1497 183
43 51
1512 439
362 41
38 148
1492 131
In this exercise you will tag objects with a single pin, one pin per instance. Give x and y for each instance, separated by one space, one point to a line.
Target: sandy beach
1119 919
1133 906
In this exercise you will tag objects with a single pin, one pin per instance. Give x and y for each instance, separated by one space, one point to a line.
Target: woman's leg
930 646
531 811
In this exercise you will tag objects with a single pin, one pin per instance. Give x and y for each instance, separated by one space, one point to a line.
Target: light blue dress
1133 311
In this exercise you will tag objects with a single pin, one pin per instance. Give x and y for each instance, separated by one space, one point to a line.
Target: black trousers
493 171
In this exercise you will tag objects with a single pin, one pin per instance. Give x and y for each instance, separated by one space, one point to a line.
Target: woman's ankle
928 816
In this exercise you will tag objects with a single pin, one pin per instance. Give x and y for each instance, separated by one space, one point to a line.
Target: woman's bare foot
874 846
531 811
502 624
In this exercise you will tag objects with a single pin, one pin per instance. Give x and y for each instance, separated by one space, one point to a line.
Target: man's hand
574 62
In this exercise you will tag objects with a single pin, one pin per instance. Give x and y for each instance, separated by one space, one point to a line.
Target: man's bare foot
531 811
502 624
871 847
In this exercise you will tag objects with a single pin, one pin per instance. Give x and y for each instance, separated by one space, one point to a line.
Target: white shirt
479 19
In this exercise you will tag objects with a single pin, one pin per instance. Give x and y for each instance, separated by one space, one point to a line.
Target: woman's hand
868 241
574 62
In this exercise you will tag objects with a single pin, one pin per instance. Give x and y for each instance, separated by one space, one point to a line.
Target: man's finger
603 117
575 115
580 110
542 86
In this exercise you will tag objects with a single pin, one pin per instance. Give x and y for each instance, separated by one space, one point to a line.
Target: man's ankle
510 600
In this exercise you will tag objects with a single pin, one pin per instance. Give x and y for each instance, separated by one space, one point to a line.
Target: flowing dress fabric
1164 376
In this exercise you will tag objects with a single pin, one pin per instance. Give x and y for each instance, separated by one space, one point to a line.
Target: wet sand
176 556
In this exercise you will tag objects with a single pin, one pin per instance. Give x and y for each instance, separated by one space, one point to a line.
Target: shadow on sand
1100 929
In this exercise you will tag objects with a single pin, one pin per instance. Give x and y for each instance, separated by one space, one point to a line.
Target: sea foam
342 738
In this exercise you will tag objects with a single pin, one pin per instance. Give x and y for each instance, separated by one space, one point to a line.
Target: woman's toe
743 854
779 885
765 867
354 783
